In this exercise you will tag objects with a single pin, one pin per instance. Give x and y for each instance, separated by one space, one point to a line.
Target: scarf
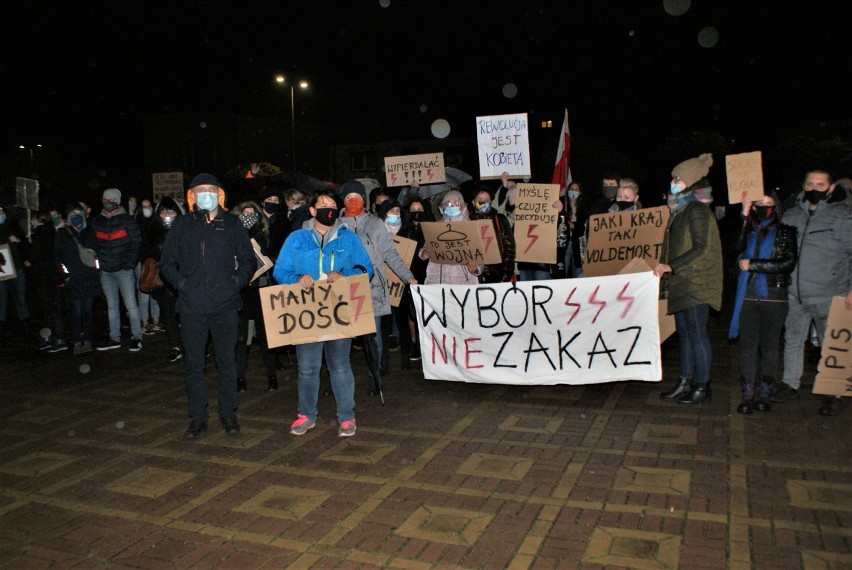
678 201
760 283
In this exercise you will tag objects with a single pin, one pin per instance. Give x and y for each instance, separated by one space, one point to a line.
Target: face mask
393 220
55 220
417 216
207 200
676 188
622 205
815 197
147 212
610 192
452 211
109 206
327 216
168 221
271 208
2 218
764 212
483 206
249 219
573 194
77 221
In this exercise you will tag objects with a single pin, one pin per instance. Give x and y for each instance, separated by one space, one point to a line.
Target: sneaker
58 346
44 344
784 393
415 353
148 330
302 425
156 327
347 428
175 354
831 406
109 344
135 345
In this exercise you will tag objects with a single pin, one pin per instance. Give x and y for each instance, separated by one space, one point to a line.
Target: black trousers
760 331
194 330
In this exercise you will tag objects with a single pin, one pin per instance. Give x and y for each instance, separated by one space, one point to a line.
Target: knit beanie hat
205 179
693 169
385 207
112 195
353 186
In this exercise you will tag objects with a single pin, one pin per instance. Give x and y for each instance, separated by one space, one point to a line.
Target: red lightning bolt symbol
488 239
393 178
532 236
626 299
576 306
353 287
429 173
594 301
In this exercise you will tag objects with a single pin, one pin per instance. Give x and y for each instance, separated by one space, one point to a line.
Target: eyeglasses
451 204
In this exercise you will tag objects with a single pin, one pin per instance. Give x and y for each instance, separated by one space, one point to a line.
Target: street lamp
33 172
281 80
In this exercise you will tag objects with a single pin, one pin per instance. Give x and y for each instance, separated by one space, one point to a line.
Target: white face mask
207 200
147 212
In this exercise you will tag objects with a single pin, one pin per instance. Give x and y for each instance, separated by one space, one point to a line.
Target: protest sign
326 311
396 287
504 146
667 321
264 264
834 373
460 243
535 222
745 174
26 193
616 238
7 264
168 184
563 331
419 168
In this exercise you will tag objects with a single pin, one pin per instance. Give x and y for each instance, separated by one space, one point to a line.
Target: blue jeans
533 275
147 303
694 344
340 371
194 331
121 282
18 288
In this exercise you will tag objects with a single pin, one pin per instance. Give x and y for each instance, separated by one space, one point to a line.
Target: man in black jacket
208 259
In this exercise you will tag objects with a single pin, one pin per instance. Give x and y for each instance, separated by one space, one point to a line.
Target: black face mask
417 216
271 208
764 212
815 197
609 192
624 205
327 216
110 206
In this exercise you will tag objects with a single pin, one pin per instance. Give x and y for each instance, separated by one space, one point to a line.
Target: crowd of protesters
185 268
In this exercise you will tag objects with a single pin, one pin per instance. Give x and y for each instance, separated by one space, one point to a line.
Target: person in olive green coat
692 264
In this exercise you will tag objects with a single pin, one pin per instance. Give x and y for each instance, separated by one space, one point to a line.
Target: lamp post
33 172
281 80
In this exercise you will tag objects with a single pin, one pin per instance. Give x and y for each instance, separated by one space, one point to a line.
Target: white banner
563 331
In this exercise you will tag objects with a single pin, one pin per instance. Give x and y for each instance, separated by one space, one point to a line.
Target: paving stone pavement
94 473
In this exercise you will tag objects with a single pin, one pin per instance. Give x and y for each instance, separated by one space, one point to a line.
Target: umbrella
455 178
300 181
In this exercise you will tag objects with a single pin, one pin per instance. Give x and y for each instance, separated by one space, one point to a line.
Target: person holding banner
767 256
627 197
691 261
505 270
324 250
453 209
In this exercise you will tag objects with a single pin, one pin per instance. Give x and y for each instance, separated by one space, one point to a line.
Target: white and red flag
562 169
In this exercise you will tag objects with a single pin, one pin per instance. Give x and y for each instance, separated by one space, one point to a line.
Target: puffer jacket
303 254
693 250
824 269
779 266
119 239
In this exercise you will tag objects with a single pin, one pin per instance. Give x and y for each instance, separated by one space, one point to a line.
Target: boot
683 386
406 360
272 383
748 396
764 395
699 395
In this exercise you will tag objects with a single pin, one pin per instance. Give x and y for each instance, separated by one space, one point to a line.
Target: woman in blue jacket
325 251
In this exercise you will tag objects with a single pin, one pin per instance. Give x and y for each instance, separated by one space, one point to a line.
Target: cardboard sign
396 287
667 321
745 174
460 243
504 146
419 168
560 331
536 222
264 264
326 311
168 184
834 373
616 238
26 193
7 264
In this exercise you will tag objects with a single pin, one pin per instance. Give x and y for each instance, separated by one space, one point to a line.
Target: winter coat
80 279
693 250
503 271
824 237
306 253
777 267
379 245
119 239
207 262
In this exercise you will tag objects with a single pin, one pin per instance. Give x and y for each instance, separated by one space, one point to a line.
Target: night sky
80 76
